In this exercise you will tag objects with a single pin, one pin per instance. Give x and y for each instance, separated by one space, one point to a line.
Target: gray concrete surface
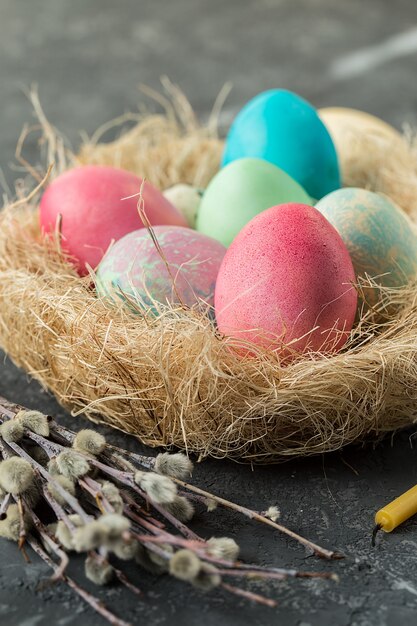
88 57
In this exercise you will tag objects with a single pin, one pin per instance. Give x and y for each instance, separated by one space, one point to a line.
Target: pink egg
184 272
287 279
93 212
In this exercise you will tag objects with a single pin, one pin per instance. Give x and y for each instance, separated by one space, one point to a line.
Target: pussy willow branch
124 477
148 462
318 550
57 509
249 595
71 500
96 604
151 533
63 557
243 568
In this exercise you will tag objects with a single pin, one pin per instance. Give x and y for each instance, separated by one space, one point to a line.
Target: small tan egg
341 121
186 199
373 155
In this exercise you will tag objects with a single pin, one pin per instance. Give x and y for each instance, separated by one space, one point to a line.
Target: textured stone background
88 58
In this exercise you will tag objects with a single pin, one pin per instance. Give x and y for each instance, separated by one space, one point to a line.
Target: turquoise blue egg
379 236
282 128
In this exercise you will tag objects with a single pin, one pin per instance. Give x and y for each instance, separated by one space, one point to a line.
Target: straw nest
173 380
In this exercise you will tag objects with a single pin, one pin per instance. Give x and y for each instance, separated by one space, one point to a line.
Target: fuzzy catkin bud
71 464
210 504
177 465
181 508
125 550
89 441
12 430
98 570
223 548
31 496
89 537
35 421
10 526
207 578
112 495
185 565
16 475
142 558
51 528
273 513
161 561
53 468
124 463
160 489
114 524
66 483
64 535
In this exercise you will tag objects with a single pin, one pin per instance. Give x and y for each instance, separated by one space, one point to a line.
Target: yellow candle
397 511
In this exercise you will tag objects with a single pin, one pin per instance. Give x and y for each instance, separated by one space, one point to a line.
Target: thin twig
57 509
3 506
126 582
249 595
22 531
96 604
318 550
126 478
73 502
63 557
94 489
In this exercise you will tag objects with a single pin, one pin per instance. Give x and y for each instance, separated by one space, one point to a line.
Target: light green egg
379 236
239 192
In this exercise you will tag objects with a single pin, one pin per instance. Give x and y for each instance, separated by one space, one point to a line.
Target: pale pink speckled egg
287 279
134 267
95 208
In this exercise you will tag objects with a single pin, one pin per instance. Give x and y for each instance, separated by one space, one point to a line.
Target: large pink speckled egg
286 283
90 201
184 272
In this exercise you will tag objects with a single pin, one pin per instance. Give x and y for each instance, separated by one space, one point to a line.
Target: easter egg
94 208
241 190
379 236
186 199
286 283
340 121
372 155
282 128
185 272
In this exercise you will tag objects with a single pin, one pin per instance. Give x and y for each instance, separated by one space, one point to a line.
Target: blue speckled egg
280 127
184 269
379 236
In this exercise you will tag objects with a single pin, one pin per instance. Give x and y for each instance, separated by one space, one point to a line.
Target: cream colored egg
341 121
186 199
373 155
